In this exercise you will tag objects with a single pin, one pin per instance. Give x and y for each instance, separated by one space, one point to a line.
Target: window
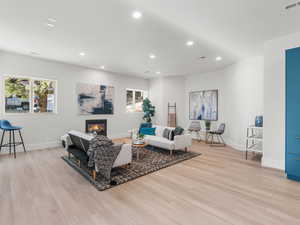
24 95
43 96
135 100
17 95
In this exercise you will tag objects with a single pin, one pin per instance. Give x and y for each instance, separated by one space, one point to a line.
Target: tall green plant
149 110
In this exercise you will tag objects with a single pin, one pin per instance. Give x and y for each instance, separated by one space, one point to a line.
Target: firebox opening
98 126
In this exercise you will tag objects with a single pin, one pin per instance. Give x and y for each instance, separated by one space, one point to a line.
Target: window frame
145 95
31 94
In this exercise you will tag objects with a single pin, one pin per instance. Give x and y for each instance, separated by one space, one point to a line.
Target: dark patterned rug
150 160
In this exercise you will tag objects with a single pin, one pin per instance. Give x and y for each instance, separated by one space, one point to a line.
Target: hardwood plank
219 187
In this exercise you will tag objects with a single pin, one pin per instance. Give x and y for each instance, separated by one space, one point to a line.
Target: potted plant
141 136
207 124
148 109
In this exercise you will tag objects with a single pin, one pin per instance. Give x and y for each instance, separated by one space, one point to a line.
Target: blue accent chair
7 127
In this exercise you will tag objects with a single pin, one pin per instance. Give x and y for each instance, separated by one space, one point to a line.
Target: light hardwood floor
219 187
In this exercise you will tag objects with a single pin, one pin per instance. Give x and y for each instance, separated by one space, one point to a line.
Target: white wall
42 131
274 98
166 90
240 96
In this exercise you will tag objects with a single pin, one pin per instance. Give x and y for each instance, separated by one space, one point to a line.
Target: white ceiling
105 31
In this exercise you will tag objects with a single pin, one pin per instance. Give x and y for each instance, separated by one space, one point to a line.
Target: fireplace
98 126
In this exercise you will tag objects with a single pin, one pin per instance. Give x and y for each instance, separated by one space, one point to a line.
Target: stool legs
2 139
22 141
14 143
9 144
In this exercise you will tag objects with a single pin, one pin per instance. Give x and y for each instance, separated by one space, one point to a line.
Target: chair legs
22 141
2 140
220 140
12 142
9 144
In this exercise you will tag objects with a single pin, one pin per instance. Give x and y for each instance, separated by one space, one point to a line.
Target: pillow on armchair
148 131
145 125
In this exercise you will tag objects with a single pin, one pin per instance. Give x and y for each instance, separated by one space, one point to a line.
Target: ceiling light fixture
51 25
82 54
189 43
102 67
152 56
52 20
136 15
158 72
34 53
219 58
202 57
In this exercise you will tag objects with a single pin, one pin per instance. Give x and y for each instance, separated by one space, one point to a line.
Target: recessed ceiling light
158 72
51 25
52 20
152 56
137 15
202 57
34 53
189 43
219 58
82 54
102 67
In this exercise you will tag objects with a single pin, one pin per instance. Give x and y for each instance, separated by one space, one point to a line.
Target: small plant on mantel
148 109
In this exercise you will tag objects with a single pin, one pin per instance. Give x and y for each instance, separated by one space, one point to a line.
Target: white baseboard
235 145
54 144
40 146
120 135
34 147
275 164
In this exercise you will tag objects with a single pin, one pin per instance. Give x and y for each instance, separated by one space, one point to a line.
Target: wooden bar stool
7 127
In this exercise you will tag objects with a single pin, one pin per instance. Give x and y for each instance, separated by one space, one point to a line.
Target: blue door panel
293 113
293 164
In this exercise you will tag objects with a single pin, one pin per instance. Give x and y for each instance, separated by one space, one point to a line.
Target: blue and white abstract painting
95 99
204 105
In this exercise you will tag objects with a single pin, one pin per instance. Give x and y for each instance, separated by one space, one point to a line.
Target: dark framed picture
95 99
204 105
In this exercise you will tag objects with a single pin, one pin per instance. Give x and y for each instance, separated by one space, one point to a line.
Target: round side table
138 147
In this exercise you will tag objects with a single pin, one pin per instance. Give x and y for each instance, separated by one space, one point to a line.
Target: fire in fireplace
98 126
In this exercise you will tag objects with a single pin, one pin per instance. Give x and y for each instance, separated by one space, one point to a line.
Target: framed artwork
204 105
94 99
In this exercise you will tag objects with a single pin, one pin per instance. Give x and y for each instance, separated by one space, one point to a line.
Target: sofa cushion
160 142
178 131
159 131
147 131
166 133
145 125
171 135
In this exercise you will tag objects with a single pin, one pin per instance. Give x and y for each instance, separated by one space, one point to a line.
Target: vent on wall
293 5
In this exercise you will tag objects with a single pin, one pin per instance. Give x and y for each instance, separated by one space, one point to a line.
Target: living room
94 150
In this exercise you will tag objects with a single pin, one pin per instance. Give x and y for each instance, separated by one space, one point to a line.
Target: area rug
150 160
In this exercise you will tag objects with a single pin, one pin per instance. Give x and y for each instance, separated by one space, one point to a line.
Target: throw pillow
148 131
145 125
178 131
166 133
171 136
